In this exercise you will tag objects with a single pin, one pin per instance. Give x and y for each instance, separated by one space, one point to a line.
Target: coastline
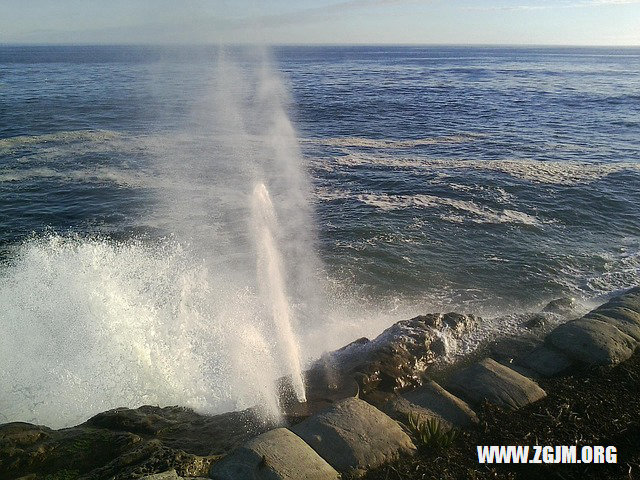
573 392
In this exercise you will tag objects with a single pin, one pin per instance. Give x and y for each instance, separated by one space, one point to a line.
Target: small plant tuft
430 432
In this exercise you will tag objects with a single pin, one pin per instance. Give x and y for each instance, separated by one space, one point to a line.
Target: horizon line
329 44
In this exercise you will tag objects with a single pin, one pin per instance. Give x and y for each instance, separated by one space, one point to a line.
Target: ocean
404 179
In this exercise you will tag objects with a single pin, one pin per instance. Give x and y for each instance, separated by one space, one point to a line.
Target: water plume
272 284
187 315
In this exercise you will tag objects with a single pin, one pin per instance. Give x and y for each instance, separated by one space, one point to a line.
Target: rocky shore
364 402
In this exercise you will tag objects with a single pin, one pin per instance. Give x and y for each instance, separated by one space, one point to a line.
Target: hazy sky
564 22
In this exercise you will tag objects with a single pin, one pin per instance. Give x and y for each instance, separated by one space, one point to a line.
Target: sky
511 22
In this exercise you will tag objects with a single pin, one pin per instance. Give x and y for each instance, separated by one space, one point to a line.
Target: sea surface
480 179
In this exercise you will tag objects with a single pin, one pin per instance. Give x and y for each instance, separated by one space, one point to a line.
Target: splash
187 315
271 281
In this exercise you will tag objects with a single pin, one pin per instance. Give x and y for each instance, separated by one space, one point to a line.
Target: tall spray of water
185 316
271 281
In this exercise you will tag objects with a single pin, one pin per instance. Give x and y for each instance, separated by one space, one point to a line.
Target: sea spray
272 284
183 315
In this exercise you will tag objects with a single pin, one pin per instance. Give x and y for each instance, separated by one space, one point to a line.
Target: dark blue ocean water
482 177
179 225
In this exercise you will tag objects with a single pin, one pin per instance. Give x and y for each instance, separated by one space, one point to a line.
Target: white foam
95 324
472 211
386 143
558 173
66 136
90 325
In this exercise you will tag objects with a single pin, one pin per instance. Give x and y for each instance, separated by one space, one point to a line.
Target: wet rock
490 381
561 306
169 475
621 322
399 408
506 350
151 457
399 356
619 313
444 404
545 361
277 454
29 449
123 444
183 429
629 299
353 436
538 321
592 341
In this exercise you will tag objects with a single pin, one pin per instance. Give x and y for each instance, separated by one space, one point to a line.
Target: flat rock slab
488 380
545 361
353 436
444 404
275 455
592 341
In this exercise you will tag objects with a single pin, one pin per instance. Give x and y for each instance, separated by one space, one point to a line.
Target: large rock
490 381
561 306
621 322
630 299
545 361
29 449
506 350
398 358
619 312
124 444
444 404
353 436
183 429
400 409
275 455
592 341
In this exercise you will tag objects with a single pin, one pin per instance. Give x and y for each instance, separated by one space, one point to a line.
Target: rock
399 408
151 457
445 405
398 357
488 380
353 436
183 429
592 341
169 475
277 454
509 348
561 306
620 313
29 449
123 443
545 361
620 322
630 299
536 322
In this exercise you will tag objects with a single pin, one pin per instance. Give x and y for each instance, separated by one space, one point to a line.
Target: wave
101 175
557 173
361 142
92 324
67 136
467 210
